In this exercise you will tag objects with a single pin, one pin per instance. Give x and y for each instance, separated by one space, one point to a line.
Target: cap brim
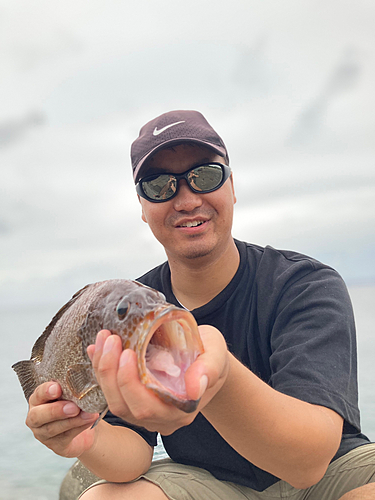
221 151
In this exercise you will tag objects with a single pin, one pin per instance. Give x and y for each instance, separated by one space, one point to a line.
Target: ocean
30 471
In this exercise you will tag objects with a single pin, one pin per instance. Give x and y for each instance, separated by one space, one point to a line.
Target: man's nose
186 199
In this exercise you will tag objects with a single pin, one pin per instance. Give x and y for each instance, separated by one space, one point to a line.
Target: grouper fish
164 337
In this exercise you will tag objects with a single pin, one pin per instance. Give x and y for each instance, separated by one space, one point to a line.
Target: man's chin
196 255
196 252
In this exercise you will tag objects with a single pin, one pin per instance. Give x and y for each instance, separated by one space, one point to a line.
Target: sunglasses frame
226 174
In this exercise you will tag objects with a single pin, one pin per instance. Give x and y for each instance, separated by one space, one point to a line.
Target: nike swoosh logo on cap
157 132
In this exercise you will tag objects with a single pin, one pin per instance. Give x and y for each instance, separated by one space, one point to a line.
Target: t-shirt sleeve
313 344
148 436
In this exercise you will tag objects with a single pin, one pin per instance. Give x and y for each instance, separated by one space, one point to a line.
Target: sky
288 85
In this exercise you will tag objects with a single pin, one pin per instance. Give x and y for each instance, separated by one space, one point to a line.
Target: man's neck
197 281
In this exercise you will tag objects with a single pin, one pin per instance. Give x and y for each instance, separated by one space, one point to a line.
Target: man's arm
118 454
114 453
289 438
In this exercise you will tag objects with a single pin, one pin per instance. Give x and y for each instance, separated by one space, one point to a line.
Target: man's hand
117 374
59 425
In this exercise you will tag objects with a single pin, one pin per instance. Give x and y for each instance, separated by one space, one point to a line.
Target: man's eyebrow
203 161
154 171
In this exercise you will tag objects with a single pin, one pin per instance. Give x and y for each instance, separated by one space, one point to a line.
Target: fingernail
108 345
99 343
203 385
124 358
88 416
90 351
53 390
70 409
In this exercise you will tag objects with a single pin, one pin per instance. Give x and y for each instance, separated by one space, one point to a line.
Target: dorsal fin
38 348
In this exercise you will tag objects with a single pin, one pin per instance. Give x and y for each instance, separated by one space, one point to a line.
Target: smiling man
278 415
194 230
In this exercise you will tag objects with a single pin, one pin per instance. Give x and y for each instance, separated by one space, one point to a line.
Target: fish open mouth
171 345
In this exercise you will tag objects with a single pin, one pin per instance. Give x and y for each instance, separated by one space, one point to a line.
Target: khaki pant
181 482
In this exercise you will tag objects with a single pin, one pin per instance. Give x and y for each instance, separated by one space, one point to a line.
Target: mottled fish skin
135 312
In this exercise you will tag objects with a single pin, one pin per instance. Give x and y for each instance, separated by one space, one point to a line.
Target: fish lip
171 308
191 338
160 313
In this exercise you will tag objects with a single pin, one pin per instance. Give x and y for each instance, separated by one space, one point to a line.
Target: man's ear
234 194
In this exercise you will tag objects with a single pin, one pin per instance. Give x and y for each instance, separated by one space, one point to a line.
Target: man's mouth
194 223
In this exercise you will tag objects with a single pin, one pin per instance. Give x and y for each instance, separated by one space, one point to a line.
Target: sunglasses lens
202 179
160 188
205 178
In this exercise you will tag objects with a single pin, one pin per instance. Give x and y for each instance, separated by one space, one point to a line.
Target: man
278 415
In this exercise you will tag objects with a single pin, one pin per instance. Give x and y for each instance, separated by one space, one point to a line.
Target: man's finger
142 402
106 372
62 428
91 351
99 344
44 393
40 415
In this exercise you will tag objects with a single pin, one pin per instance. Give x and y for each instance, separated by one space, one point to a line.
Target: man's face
190 225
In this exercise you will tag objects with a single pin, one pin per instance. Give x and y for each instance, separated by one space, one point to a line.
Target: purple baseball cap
170 129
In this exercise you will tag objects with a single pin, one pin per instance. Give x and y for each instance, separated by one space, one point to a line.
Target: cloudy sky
289 86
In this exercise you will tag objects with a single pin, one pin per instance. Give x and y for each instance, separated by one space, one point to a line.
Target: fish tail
27 376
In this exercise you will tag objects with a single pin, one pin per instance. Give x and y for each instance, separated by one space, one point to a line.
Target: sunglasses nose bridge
186 199
183 179
182 185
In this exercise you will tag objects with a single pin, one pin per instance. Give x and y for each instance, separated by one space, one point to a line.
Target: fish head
126 305
168 343
164 337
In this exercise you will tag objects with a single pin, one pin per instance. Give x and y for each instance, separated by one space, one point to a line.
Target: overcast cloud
288 85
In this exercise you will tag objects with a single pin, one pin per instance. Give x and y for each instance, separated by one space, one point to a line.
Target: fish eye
122 309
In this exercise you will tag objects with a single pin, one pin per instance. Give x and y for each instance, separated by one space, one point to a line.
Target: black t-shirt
289 319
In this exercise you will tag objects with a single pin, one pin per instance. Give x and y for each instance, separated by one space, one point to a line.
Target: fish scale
128 309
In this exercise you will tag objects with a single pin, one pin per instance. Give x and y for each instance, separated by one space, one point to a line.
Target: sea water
30 471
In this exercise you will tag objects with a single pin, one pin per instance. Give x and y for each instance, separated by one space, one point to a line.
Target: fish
165 338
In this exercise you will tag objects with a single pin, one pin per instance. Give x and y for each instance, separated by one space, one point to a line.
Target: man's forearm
287 437
118 454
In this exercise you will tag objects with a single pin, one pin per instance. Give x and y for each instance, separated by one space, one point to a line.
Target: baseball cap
170 129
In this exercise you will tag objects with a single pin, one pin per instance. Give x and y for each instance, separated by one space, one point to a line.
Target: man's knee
366 492
141 489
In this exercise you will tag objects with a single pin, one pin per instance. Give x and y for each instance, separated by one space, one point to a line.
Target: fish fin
80 380
101 415
38 348
27 376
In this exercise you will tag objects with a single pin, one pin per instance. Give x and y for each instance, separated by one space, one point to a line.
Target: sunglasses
201 179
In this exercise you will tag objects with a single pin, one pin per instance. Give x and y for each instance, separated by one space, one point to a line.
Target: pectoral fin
80 379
